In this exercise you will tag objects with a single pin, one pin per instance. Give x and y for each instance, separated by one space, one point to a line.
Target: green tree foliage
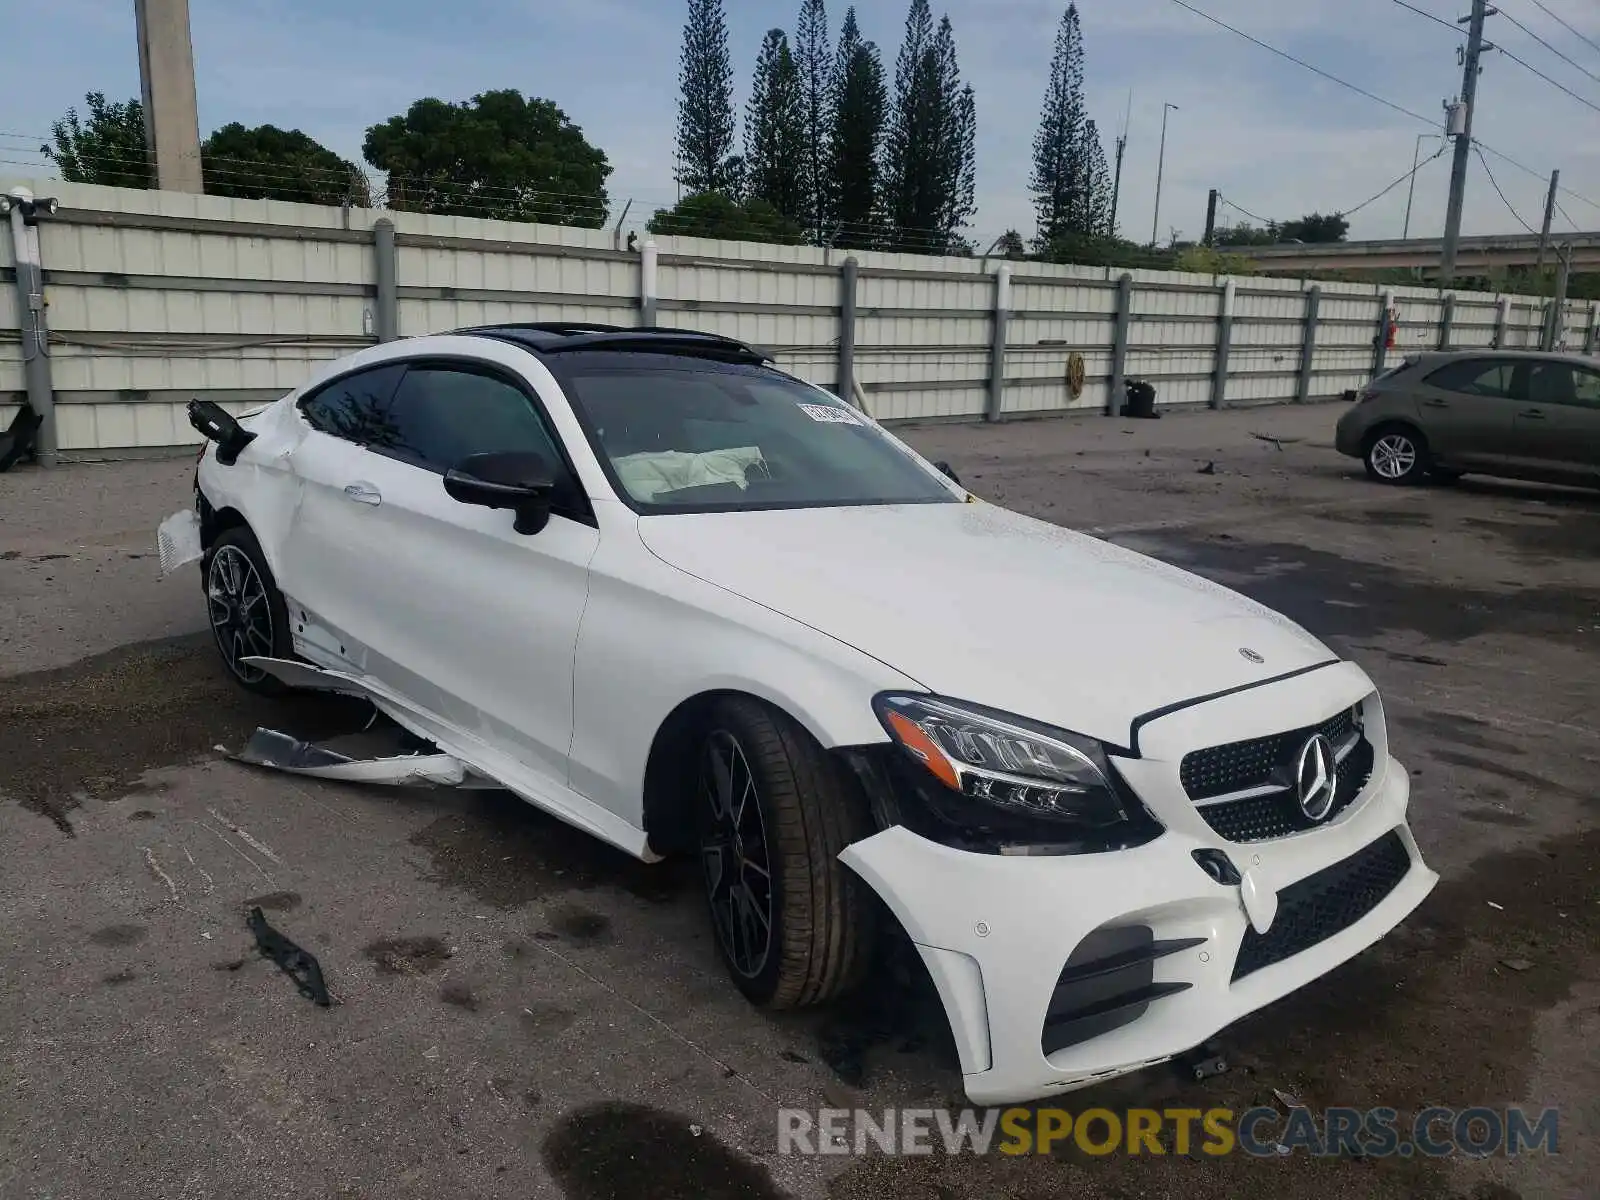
1315 227
775 133
813 60
1070 184
706 162
108 148
1009 245
497 155
278 164
715 215
930 150
855 139
1246 235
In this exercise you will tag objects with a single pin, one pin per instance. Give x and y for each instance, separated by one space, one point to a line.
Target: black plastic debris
16 443
299 965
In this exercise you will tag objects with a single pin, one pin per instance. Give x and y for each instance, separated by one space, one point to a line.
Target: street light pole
1412 190
1161 162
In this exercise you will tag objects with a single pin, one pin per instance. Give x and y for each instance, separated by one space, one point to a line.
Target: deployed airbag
654 471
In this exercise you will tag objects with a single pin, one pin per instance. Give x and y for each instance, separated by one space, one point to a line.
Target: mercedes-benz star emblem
1250 655
1316 777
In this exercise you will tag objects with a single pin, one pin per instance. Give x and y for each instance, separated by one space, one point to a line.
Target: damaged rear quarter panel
261 486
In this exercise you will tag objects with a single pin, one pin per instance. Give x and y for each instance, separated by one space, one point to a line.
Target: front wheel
793 924
1397 456
248 616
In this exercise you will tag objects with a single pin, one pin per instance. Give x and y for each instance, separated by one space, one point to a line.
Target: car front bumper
997 931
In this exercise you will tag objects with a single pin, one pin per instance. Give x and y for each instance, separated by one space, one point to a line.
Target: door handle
1436 404
363 493
1533 414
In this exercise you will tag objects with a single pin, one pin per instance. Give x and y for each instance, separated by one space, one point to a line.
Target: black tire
1397 455
245 621
822 922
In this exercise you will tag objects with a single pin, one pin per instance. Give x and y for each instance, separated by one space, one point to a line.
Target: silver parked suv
1524 414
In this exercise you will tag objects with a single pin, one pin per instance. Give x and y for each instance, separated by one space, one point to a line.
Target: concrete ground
521 1012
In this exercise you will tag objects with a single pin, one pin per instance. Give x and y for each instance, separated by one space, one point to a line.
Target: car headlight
1014 764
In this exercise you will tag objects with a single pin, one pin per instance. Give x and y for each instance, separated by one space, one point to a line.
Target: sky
1273 138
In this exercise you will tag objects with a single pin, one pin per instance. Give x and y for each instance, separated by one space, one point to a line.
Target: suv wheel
1397 455
773 811
247 613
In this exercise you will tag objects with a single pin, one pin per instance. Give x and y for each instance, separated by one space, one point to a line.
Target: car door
1557 428
444 602
1467 407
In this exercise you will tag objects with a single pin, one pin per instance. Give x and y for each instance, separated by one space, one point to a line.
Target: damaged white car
691 604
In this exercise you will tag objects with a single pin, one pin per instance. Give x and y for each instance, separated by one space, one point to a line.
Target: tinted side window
1586 383
356 407
440 415
1551 383
1476 377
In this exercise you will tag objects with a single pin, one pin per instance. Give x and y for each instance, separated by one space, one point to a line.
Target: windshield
690 435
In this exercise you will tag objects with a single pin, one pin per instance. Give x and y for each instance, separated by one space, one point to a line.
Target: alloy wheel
1394 456
734 855
241 617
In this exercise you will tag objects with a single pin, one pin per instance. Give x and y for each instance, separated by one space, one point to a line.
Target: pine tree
812 57
705 105
774 130
1097 183
910 149
1058 170
958 138
855 139
930 156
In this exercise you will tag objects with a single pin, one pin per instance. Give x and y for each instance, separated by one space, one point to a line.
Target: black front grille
1321 905
1261 818
1238 766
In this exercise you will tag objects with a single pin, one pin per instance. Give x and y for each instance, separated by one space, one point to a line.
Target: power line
1502 195
1345 212
1546 45
1564 25
1355 208
1566 218
1242 209
1552 82
1453 28
1300 62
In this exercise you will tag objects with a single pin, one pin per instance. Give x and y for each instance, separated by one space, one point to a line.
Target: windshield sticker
828 414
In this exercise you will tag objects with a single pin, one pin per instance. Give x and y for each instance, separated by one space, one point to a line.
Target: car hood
982 604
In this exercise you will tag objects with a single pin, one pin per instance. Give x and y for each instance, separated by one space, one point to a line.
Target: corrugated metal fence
155 298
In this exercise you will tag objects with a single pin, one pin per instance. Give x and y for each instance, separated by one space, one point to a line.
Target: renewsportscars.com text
1261 1132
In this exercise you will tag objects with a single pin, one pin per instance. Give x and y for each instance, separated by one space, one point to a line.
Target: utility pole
166 81
1211 216
1161 163
1116 180
1458 167
1549 214
1116 185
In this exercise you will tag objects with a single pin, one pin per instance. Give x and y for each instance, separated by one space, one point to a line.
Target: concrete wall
158 297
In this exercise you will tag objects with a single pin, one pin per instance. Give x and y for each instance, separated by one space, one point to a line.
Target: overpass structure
1474 254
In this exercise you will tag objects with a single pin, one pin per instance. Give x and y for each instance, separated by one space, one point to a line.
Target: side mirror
948 472
520 481
213 423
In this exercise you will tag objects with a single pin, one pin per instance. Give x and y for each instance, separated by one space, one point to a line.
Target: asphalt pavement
519 1011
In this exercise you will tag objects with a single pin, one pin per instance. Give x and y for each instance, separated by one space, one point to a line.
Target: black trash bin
1141 400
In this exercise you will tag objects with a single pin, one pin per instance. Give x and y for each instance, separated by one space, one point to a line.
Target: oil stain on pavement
611 1151
93 728
408 955
506 854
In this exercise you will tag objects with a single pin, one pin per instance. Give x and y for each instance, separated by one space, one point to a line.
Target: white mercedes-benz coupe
694 605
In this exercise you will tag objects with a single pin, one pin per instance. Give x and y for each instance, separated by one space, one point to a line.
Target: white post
647 284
